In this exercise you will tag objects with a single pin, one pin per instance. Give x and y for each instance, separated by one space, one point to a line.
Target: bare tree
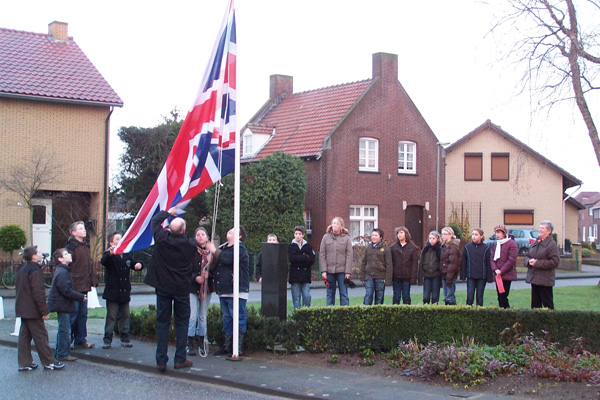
26 179
560 49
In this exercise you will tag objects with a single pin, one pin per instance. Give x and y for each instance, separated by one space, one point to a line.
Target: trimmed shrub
585 253
12 237
382 327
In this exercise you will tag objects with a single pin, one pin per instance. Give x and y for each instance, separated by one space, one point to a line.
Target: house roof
303 120
588 198
35 65
568 179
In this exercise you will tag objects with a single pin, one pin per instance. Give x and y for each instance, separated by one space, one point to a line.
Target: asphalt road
85 380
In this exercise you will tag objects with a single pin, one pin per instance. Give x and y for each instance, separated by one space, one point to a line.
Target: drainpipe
106 155
563 216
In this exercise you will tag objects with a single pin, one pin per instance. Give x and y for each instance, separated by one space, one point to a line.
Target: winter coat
30 301
450 261
429 262
301 257
62 295
118 267
405 261
336 253
547 255
476 262
170 267
507 261
82 268
223 270
197 266
376 261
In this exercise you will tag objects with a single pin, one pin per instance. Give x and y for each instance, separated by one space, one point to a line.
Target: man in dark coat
117 291
30 305
83 280
170 273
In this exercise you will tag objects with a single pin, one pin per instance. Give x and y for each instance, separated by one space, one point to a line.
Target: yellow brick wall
531 185
73 135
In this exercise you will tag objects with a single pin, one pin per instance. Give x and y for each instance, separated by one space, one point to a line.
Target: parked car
523 236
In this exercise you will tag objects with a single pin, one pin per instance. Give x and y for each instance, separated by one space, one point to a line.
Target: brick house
54 102
589 218
493 178
369 154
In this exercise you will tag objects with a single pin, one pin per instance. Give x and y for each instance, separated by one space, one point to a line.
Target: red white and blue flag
204 150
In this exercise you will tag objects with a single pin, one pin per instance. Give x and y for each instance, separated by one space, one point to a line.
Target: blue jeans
431 289
338 279
301 290
227 309
63 336
116 313
472 286
165 304
374 287
449 290
198 313
78 321
401 290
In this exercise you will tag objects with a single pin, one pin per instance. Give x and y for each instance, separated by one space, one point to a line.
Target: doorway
42 225
414 223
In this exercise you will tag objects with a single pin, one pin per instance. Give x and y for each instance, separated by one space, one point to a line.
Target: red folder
500 284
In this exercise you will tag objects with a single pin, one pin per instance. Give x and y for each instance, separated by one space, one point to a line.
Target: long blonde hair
341 221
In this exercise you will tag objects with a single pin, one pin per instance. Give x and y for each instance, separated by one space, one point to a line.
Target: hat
500 227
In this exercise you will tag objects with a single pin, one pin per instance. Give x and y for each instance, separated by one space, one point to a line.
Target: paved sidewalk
271 378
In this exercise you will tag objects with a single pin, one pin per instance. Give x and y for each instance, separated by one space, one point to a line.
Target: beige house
493 178
55 110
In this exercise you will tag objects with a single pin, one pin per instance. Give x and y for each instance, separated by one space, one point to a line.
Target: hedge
381 328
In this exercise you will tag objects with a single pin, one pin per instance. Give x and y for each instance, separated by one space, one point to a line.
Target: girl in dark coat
449 264
429 274
503 260
405 260
476 267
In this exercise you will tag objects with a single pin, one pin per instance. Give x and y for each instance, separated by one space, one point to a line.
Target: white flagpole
236 230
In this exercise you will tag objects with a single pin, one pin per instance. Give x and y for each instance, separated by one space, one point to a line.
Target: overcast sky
153 53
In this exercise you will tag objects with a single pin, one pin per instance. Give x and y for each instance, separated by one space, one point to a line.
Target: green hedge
381 328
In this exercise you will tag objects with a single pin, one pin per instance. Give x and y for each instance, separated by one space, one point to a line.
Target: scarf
498 244
436 247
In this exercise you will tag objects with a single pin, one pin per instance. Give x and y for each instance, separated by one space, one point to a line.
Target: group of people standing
440 263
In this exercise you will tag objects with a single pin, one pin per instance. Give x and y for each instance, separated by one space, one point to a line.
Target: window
248 143
595 232
518 217
363 219
500 166
596 213
308 221
407 158
473 166
367 154
583 233
39 214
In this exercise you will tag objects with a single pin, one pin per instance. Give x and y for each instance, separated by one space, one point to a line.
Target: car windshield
534 234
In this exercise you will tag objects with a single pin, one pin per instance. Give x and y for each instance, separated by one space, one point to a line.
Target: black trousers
541 296
503 297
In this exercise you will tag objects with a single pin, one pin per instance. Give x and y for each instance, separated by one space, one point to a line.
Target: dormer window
247 140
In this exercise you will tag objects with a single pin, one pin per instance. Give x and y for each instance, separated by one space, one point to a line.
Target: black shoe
241 345
227 346
28 368
189 348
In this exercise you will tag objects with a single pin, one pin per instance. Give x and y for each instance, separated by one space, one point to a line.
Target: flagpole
236 229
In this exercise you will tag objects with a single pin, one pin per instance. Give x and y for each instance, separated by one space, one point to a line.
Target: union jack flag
204 150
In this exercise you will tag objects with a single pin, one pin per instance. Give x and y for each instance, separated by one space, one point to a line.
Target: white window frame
357 215
595 232
247 140
405 154
583 233
371 153
308 221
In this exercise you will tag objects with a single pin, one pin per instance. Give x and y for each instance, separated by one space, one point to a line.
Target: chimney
58 30
281 84
385 66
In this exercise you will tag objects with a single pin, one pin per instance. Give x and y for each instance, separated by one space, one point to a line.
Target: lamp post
437 190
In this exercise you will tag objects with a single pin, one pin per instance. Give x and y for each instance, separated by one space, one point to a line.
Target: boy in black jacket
61 300
117 291
302 257
30 305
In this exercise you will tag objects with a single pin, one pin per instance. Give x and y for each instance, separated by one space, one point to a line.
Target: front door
42 225
414 223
